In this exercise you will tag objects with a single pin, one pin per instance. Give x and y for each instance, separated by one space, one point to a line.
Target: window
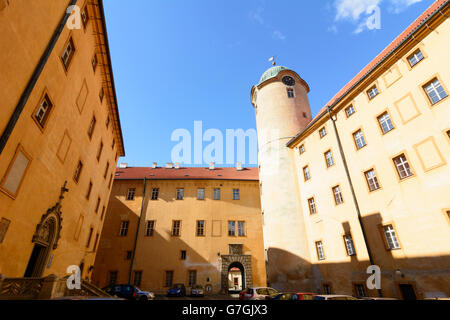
98 205
112 146
88 194
201 194
169 278
155 193
124 228
360 292
106 170
103 213
150 228
76 175
349 245
216 195
241 228
231 228
92 127
183 254
337 195
402 165
349 111
94 62
176 224
319 249
137 278
192 278
415 58
372 180
290 93
131 193
88 243
306 173
67 54
101 94
301 149
305 115
329 158
129 254
359 139
84 16
200 228
312 206
385 122
435 91
322 132
99 151
112 277
15 173
391 238
180 194
372 92
96 242
236 194
43 111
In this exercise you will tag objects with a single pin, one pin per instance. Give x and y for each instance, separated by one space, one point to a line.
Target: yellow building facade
61 135
195 226
371 172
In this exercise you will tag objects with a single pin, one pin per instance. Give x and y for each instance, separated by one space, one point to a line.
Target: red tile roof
183 173
386 52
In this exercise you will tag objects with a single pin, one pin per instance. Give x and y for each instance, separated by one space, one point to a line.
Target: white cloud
257 15
358 11
278 35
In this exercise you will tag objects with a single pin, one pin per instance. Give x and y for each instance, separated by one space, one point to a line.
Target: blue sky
178 61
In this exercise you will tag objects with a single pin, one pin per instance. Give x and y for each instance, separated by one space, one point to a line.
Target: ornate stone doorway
243 264
45 238
236 277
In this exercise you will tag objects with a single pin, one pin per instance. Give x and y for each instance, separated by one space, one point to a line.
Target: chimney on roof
123 165
169 165
211 166
177 165
239 166
154 165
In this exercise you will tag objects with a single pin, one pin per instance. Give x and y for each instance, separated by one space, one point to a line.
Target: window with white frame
385 122
329 158
216 194
124 228
241 228
323 132
435 91
200 228
301 149
155 193
180 193
391 237
372 92
200 194
349 245
415 58
67 54
359 139
350 110
131 193
372 180
231 228
43 111
338 195
320 251
236 195
312 206
402 165
176 225
306 173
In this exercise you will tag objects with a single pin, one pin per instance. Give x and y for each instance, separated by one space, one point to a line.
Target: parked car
197 291
76 298
177 290
293 296
129 291
258 293
334 297
376 298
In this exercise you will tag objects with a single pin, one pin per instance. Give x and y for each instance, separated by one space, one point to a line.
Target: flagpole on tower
273 60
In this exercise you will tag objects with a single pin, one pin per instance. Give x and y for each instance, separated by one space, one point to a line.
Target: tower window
290 93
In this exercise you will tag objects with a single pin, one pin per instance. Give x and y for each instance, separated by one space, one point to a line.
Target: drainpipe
32 82
355 201
133 253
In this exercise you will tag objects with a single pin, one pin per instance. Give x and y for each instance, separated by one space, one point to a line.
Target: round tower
282 111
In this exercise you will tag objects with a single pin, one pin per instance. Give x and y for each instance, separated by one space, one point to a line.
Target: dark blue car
177 290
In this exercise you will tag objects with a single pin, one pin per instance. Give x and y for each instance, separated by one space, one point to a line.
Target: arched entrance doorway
236 277
43 241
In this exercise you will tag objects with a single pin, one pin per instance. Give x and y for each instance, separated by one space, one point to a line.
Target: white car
258 293
197 291
334 297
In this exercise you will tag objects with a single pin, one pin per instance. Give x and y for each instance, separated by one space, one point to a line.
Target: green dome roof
271 73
